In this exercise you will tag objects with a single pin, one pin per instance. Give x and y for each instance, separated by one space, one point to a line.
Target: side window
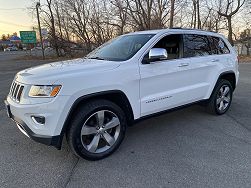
172 45
196 45
218 46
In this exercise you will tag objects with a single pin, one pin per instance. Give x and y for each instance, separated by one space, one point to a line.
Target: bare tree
121 16
228 11
93 22
56 6
78 13
148 14
195 21
208 17
194 15
140 13
52 25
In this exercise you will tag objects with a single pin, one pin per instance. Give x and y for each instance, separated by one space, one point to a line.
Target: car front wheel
97 130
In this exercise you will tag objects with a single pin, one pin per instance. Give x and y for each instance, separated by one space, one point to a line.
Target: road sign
44 32
28 37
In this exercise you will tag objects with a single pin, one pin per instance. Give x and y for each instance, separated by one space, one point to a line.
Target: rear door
220 59
203 64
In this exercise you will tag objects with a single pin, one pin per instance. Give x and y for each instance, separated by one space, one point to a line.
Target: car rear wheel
97 130
221 98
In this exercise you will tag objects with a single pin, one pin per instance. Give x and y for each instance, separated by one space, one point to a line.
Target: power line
4 22
5 31
11 8
18 8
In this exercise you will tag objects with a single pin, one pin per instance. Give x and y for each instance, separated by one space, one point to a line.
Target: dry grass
244 59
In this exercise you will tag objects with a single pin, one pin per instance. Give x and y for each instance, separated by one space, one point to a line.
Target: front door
172 82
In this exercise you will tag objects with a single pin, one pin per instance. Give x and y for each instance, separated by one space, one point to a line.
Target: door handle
183 64
215 60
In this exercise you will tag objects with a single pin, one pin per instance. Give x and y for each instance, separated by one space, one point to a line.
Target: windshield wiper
98 58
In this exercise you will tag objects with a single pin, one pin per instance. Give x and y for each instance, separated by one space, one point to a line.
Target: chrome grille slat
20 91
14 87
11 91
16 91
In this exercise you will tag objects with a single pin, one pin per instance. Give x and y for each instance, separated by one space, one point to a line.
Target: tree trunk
228 15
248 50
198 15
53 30
195 13
59 22
172 13
230 30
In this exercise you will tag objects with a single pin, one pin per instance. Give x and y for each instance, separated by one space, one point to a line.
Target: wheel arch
116 96
230 76
227 75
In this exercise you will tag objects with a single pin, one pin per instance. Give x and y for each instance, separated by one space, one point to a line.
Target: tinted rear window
196 45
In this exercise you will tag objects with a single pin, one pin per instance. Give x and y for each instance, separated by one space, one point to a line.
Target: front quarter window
121 48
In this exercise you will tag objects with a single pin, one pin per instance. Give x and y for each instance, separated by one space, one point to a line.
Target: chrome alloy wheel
223 98
100 131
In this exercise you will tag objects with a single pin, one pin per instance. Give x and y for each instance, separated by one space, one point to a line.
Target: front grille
16 91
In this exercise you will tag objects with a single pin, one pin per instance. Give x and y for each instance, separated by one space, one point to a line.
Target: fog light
38 119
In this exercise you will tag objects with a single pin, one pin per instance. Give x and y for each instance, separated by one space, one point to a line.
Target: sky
15 17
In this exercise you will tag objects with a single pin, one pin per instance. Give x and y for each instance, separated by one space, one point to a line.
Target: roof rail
176 28
192 29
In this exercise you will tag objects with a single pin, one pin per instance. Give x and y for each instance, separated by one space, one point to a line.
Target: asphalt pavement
185 148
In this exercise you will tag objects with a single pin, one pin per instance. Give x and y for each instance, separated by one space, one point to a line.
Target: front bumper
25 129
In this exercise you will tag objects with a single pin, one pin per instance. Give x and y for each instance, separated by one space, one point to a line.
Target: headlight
44 91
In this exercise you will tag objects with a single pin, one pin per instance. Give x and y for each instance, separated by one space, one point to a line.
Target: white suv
93 99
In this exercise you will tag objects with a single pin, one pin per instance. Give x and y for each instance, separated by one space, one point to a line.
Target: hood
51 72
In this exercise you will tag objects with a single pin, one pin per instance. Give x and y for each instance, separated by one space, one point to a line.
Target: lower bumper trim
47 140
43 139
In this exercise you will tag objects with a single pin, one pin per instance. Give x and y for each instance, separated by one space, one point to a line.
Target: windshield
121 48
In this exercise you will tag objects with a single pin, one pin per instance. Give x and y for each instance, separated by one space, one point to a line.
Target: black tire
212 106
83 114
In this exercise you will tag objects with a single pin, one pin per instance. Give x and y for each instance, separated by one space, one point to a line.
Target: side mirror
157 54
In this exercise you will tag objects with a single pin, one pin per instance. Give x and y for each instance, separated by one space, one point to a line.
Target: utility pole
39 28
